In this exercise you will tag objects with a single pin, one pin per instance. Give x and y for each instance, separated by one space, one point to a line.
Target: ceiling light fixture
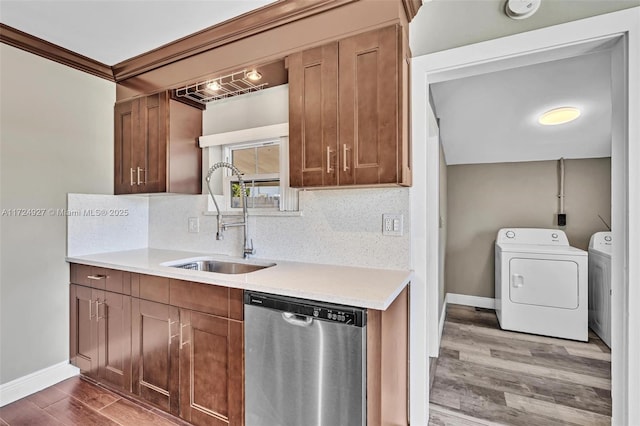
214 85
521 9
559 116
254 75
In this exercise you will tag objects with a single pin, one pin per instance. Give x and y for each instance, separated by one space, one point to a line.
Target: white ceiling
492 117
111 31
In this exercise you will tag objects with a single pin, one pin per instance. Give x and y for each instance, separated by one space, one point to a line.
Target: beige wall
445 24
56 136
482 198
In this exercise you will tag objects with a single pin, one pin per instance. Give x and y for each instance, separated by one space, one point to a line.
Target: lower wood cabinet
83 331
187 362
100 335
211 369
180 346
155 353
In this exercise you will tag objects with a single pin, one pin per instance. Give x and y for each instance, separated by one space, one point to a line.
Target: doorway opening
559 42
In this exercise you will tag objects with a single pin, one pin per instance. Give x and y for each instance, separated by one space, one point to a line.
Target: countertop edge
240 281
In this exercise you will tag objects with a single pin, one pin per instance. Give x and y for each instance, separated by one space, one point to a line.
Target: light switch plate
392 225
194 224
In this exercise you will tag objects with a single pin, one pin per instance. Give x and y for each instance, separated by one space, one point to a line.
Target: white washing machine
600 285
541 283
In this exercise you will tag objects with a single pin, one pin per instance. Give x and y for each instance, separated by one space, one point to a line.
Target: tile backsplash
97 223
341 227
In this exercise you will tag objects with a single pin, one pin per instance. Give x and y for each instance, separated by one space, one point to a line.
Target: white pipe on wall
561 195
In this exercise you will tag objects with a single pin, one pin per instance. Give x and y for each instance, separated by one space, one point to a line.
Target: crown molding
260 20
37 46
411 8
248 24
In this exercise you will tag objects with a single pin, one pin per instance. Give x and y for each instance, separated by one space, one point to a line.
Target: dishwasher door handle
299 320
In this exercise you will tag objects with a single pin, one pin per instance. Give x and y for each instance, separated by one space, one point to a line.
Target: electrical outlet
194 224
562 219
392 224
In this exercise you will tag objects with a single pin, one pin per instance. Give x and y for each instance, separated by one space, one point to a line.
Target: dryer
541 283
600 285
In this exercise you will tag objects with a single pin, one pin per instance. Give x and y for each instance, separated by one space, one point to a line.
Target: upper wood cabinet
313 116
348 112
156 146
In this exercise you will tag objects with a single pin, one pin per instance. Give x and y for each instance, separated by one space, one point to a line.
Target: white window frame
227 154
219 148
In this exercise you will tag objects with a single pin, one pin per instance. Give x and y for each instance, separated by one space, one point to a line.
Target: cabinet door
369 107
126 132
151 151
211 369
155 353
313 116
113 315
83 332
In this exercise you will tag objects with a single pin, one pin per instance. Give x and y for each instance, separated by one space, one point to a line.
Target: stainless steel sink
221 267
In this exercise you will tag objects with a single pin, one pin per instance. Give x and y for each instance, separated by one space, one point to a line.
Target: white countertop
355 286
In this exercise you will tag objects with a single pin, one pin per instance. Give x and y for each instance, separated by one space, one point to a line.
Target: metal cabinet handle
182 343
140 169
90 312
96 277
131 176
171 336
98 303
329 168
345 164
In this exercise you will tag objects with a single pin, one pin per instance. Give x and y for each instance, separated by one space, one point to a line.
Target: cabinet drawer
212 299
101 278
80 274
150 287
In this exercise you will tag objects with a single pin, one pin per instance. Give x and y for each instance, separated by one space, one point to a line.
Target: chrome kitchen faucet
248 245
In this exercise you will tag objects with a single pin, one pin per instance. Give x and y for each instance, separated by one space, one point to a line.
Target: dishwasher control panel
347 315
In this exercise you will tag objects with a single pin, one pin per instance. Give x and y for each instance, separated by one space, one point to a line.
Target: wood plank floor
484 376
487 376
78 401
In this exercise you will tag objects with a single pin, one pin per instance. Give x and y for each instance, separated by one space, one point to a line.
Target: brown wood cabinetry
179 345
83 334
100 338
348 112
113 317
155 353
313 116
176 344
156 148
211 369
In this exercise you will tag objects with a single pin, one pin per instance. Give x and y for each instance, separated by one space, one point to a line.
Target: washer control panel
532 236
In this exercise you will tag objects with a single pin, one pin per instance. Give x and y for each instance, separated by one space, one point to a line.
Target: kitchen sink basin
221 267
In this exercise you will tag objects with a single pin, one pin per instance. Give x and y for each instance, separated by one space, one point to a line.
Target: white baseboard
475 301
462 299
443 316
34 382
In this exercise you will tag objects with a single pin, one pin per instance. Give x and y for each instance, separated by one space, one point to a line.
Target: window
262 156
259 164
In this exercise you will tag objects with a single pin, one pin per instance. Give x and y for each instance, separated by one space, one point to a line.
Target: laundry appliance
600 285
541 283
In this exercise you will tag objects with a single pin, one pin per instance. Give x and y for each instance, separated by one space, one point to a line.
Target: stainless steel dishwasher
305 362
